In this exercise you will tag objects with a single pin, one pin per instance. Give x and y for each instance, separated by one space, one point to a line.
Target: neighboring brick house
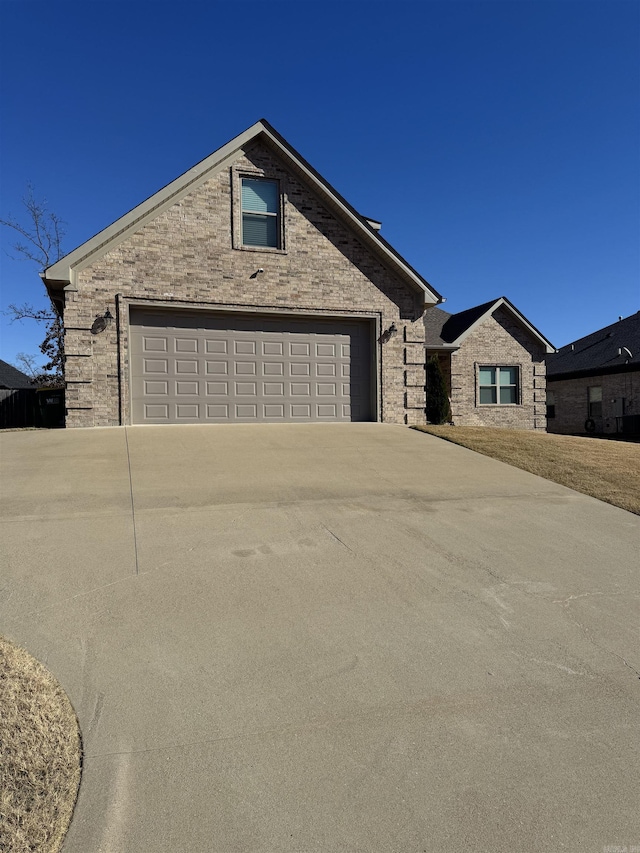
593 384
246 290
493 361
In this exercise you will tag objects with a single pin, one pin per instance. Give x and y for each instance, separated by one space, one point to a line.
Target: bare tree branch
28 312
44 232
27 364
41 243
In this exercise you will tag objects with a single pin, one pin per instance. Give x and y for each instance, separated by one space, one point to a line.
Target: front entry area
201 367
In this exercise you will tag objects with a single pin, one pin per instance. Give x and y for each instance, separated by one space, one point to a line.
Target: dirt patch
607 470
40 755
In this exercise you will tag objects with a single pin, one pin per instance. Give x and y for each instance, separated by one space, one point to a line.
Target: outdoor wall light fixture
102 322
256 273
391 332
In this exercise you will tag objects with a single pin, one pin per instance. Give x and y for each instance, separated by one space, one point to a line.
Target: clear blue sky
498 142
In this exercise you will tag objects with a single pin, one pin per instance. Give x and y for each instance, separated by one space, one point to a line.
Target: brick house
593 384
246 290
493 361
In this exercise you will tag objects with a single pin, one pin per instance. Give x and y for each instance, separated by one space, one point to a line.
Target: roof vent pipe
626 351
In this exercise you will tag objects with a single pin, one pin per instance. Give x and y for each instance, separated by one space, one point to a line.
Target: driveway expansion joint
133 506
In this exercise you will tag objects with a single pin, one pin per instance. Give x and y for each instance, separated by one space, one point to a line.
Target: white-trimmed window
260 213
594 397
498 386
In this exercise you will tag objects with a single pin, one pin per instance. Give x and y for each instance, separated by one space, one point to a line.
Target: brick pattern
498 341
185 257
571 401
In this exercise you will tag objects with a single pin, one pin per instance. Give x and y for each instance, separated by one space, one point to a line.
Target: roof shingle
601 350
12 378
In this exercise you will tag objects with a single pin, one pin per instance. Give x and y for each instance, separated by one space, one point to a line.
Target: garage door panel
190 389
244 389
217 367
326 389
299 410
246 411
273 389
217 389
273 411
155 411
325 369
188 411
279 370
298 349
186 345
216 346
183 366
218 411
299 369
155 344
155 365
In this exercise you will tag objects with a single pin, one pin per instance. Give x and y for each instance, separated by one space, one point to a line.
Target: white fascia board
442 347
431 297
518 316
63 272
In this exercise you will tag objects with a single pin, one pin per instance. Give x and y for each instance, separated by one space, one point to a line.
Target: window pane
259 196
595 394
487 395
487 376
508 375
259 230
508 394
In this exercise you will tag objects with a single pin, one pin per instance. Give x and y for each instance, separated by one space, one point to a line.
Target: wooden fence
31 407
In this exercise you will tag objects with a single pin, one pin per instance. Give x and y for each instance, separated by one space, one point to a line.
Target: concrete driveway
326 638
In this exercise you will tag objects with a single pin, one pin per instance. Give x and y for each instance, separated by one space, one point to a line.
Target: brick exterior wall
498 341
571 402
185 257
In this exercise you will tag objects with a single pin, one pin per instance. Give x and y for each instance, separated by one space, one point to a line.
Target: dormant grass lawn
40 755
605 469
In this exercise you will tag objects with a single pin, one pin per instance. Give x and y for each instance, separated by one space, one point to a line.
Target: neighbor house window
498 386
595 401
260 213
551 404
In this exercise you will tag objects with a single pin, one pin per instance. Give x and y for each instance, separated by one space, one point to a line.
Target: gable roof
613 349
62 274
12 378
447 331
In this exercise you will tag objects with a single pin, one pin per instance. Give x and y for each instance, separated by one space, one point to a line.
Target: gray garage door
211 368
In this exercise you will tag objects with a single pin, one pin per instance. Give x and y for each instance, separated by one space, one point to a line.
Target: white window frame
497 385
237 175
